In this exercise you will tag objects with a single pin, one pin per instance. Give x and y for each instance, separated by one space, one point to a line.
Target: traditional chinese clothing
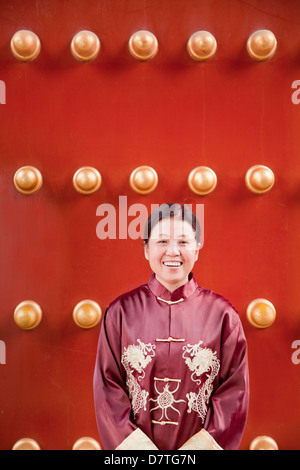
171 370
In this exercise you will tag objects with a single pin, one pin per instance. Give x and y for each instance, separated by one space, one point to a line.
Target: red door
115 113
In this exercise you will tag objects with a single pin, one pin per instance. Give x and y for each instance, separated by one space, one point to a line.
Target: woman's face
172 251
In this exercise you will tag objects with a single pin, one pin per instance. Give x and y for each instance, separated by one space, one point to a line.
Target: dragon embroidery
136 358
200 361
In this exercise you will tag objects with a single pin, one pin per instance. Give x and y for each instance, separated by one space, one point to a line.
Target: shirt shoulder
126 301
222 308
212 296
131 295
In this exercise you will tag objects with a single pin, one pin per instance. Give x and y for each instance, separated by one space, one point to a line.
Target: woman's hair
169 210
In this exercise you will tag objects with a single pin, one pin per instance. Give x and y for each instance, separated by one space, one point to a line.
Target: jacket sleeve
112 404
227 414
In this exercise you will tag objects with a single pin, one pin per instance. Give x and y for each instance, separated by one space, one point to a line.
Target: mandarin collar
182 292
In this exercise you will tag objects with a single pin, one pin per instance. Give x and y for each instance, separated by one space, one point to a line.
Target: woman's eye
183 242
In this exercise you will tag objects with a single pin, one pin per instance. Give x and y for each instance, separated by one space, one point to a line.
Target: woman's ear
197 250
146 251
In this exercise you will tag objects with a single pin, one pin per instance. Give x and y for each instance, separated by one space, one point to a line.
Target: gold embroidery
165 398
201 361
136 358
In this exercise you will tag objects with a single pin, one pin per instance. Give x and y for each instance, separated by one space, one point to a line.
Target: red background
116 114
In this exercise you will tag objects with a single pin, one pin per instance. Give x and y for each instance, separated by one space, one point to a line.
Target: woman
171 369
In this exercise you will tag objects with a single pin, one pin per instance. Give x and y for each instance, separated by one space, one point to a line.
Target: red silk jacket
171 370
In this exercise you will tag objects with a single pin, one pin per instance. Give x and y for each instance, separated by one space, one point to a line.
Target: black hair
170 210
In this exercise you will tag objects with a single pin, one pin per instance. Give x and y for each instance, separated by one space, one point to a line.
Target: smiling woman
173 246
171 353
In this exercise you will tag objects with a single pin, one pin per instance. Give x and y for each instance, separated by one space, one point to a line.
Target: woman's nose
173 248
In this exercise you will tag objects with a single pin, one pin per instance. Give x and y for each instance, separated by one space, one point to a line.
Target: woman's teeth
172 263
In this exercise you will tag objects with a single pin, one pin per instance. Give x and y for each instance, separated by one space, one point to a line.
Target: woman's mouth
172 264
